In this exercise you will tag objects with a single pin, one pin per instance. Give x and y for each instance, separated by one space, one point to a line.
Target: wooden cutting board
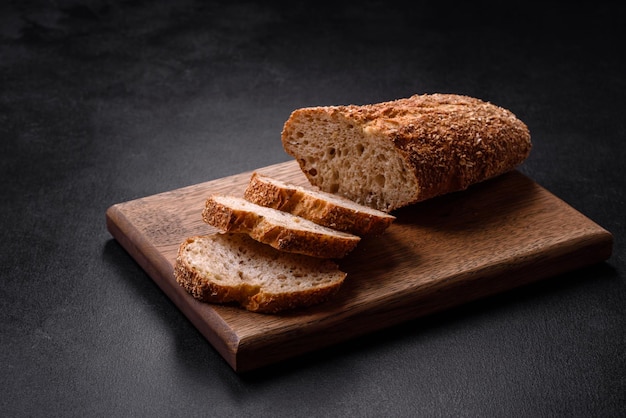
493 237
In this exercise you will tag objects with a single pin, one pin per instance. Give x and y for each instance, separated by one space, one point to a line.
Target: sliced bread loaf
388 155
278 229
323 208
223 268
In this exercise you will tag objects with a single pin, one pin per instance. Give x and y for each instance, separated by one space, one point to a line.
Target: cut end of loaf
343 157
233 268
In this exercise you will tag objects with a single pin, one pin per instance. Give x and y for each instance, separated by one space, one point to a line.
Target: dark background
104 102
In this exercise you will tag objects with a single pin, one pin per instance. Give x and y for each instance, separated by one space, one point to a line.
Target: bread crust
204 287
324 210
447 141
321 243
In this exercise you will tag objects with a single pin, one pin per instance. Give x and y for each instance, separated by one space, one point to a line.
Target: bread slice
278 229
323 208
392 154
223 268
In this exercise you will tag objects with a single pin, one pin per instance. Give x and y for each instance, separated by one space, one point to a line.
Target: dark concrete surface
103 102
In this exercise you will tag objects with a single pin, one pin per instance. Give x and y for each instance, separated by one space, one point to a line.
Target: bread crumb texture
392 154
225 268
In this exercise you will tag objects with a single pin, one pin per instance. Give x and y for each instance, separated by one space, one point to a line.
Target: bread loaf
223 268
325 209
392 154
278 229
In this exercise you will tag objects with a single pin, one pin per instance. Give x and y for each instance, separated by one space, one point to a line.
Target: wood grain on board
493 237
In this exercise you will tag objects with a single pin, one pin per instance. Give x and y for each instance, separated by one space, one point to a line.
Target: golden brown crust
275 303
321 243
203 286
269 195
449 141
316 207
